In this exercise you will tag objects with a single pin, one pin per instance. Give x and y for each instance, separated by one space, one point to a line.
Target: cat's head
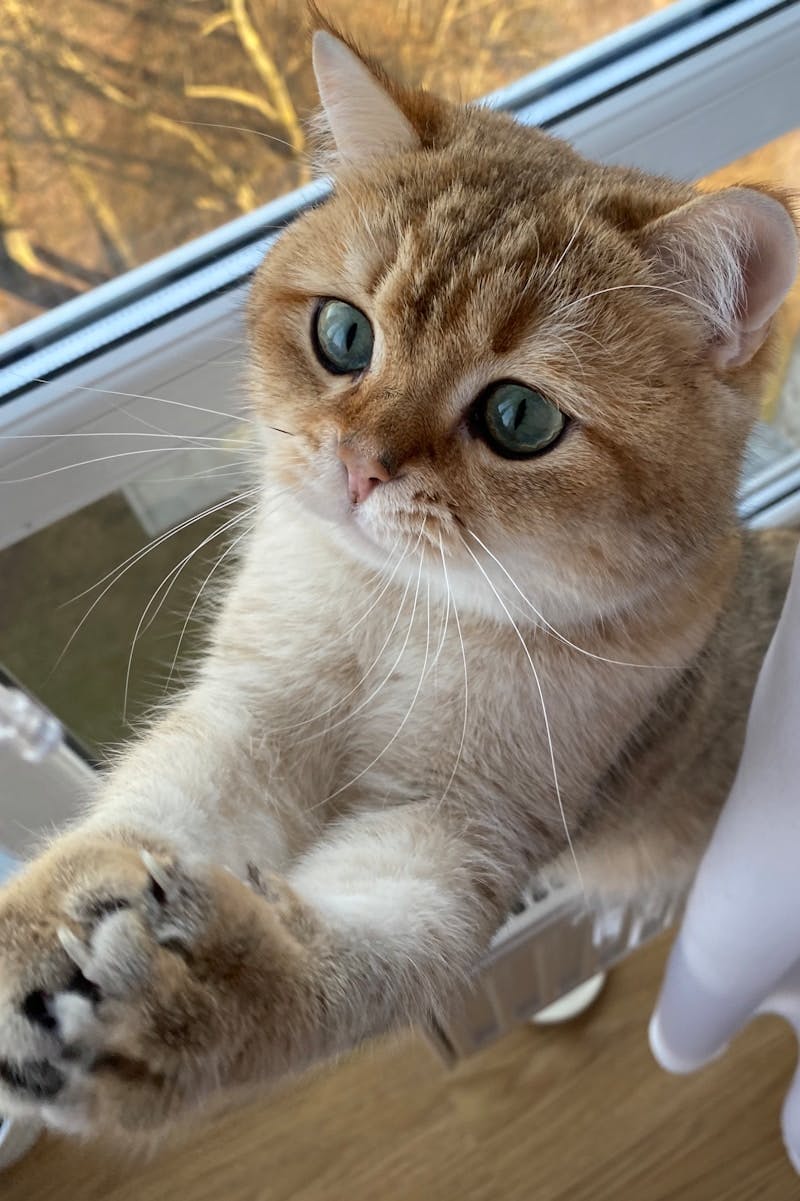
482 343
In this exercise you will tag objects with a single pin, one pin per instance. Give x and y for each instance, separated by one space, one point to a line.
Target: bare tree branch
265 65
234 96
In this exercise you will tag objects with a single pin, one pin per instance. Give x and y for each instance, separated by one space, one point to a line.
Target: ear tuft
364 119
734 255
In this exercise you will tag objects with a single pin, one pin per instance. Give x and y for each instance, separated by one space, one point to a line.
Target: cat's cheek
326 503
321 485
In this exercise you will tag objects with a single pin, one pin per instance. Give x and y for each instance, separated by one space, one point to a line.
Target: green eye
342 337
519 421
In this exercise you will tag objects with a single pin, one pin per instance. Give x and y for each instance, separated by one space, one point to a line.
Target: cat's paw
126 985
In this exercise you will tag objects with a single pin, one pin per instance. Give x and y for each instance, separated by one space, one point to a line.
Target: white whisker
548 732
119 434
562 341
568 247
462 740
377 600
132 560
363 704
224 471
169 580
237 473
552 629
338 704
122 454
331 796
176 529
269 137
253 509
379 590
692 300
446 620
181 404
218 562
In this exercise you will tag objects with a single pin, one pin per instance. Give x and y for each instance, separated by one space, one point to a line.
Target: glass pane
128 127
73 651
777 163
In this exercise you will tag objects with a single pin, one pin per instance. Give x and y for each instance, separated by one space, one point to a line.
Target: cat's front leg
145 987
135 987
118 973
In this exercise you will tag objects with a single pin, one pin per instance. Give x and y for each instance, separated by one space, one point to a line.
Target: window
772 496
131 127
143 371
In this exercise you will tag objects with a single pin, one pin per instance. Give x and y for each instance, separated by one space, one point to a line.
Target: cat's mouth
391 514
372 517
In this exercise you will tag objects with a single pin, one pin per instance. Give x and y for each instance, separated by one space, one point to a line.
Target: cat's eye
518 421
342 338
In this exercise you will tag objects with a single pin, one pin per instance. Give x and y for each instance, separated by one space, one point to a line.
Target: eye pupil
516 421
342 337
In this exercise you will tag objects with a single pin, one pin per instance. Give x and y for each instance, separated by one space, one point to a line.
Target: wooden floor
573 1113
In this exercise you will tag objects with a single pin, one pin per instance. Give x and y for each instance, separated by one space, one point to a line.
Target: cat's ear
734 255
365 120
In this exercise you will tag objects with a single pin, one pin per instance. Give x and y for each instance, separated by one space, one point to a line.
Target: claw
158 873
172 935
78 952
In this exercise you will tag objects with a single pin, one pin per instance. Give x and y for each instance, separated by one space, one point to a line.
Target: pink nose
363 473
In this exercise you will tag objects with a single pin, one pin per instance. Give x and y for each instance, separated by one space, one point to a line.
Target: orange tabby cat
495 610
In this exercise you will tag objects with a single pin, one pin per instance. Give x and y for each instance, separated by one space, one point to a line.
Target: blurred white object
738 950
573 1003
553 945
26 726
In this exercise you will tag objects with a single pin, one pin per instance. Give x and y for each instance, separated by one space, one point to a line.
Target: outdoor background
108 151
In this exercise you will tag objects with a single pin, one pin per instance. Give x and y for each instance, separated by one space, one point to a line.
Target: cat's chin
358 534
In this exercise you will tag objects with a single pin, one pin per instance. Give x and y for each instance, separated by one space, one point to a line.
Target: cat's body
388 709
398 703
656 809
494 614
